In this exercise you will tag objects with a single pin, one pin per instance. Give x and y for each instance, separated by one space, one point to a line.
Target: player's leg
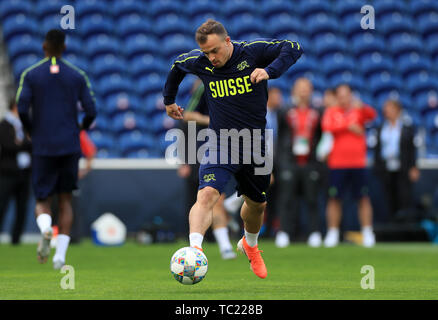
311 187
253 187
68 178
65 221
212 182
44 181
334 206
365 210
22 198
220 229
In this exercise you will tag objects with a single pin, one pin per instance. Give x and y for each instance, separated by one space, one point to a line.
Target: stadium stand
127 46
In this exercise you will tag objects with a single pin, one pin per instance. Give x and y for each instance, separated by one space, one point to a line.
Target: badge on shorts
54 68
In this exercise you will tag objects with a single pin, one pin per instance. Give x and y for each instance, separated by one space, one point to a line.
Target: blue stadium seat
114 84
133 25
419 8
101 45
24 62
146 64
421 83
280 83
329 44
244 24
153 104
426 101
347 8
102 125
396 23
152 83
161 122
307 63
313 7
367 43
161 8
268 9
428 25
375 63
385 8
102 139
354 80
122 8
50 22
201 8
405 43
171 24
74 45
384 83
78 61
235 8
412 117
121 102
23 45
105 65
282 24
135 141
86 8
337 65
95 24
321 24
431 122
351 27
140 45
413 63
14 7
129 121
18 25
176 45
49 8
432 46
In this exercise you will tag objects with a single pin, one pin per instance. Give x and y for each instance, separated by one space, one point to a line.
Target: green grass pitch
132 271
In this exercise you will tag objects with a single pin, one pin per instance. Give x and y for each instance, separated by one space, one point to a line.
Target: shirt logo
54 68
209 177
242 65
211 70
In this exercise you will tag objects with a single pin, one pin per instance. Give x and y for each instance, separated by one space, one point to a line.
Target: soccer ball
188 265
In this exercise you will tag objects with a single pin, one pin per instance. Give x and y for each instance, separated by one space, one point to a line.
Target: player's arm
23 100
275 57
88 102
182 65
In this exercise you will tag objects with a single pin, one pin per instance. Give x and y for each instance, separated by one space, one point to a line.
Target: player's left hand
258 75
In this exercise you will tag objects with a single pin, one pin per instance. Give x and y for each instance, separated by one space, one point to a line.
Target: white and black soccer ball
189 265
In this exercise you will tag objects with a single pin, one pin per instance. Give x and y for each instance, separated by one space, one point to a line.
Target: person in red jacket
347 163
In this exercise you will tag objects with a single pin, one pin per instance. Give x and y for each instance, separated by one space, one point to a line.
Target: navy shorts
340 180
57 174
249 184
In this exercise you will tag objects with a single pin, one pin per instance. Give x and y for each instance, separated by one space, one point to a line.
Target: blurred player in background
197 111
52 89
347 163
299 132
15 164
395 160
234 75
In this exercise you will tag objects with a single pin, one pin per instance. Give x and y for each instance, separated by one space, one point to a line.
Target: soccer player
234 75
347 163
52 88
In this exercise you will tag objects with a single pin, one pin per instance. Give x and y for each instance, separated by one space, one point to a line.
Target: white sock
334 230
222 239
251 238
44 222
233 203
367 229
196 239
62 242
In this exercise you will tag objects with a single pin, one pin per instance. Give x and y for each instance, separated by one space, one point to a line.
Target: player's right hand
175 111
